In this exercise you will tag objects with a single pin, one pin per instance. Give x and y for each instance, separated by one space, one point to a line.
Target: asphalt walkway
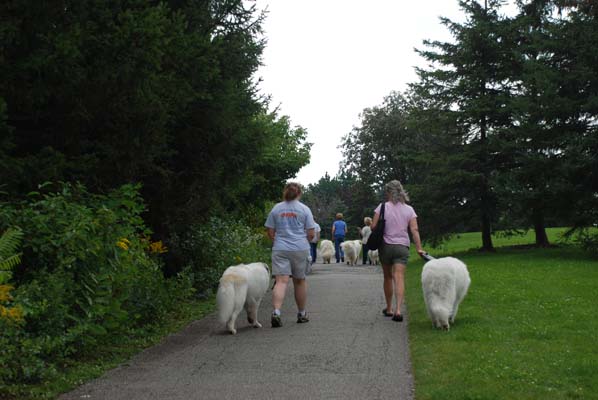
348 350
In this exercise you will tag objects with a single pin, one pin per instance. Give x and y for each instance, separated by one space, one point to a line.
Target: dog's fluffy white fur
351 249
374 257
445 282
242 286
327 250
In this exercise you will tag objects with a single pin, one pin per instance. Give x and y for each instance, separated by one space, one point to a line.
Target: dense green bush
219 243
89 273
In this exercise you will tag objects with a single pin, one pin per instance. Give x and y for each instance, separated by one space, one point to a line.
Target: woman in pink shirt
394 252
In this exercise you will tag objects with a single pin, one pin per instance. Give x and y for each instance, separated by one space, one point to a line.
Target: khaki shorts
291 263
394 254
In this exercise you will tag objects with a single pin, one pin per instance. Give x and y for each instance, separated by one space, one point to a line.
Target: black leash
427 257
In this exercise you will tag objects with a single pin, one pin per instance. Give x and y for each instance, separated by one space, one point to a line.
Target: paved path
348 350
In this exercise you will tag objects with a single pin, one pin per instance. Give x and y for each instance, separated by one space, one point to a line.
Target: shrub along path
347 351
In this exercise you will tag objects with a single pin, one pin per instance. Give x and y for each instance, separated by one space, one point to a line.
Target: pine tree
469 79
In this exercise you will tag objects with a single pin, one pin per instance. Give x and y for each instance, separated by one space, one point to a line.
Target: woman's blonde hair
367 221
395 192
339 215
292 190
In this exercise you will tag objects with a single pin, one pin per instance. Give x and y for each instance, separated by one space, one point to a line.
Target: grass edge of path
519 374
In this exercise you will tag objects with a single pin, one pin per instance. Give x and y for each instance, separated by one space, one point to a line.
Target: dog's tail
225 297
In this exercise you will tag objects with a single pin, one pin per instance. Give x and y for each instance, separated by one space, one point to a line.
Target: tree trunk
539 228
486 227
484 195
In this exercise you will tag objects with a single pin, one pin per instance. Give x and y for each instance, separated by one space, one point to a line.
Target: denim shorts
394 254
291 263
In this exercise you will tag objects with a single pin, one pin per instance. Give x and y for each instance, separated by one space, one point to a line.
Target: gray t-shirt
290 220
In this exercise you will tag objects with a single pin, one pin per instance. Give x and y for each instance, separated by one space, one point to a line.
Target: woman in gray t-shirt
290 226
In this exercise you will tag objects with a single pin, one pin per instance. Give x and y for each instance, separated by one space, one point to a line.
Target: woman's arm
310 234
271 233
415 233
318 235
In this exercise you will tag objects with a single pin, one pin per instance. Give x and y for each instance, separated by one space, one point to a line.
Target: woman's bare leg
398 275
387 269
280 288
300 293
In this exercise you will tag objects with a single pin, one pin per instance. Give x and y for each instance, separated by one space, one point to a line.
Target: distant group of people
339 230
295 235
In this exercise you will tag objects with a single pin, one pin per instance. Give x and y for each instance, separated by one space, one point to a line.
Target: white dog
242 285
351 249
445 282
327 250
373 256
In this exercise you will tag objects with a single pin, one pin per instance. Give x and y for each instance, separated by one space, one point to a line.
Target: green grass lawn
526 330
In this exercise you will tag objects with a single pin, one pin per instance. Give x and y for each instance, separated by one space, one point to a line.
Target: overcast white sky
327 60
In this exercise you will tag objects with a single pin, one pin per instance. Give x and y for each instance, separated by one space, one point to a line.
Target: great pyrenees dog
445 282
242 286
374 257
327 250
351 249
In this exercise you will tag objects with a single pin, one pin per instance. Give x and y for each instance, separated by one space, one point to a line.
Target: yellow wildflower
15 313
5 293
123 244
158 247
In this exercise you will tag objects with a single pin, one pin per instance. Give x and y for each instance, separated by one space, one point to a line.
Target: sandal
397 317
386 313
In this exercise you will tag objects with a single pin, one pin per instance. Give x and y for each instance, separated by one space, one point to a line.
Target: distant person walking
394 252
290 226
314 243
339 230
365 232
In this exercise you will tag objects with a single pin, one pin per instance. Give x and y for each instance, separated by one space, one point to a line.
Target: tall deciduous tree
409 138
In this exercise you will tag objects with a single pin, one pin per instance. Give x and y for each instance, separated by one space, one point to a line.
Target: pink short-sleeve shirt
397 218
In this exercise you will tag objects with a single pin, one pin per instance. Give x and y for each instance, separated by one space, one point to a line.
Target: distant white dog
445 282
351 249
242 285
327 250
374 257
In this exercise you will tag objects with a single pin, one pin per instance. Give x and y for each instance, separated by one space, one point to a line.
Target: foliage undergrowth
90 290
89 276
525 330
210 248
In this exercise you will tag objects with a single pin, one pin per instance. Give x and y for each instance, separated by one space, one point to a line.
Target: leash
426 256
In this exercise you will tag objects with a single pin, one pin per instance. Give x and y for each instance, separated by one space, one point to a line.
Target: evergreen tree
161 93
469 79
576 58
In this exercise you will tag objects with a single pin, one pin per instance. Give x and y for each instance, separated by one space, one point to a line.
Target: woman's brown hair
291 191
